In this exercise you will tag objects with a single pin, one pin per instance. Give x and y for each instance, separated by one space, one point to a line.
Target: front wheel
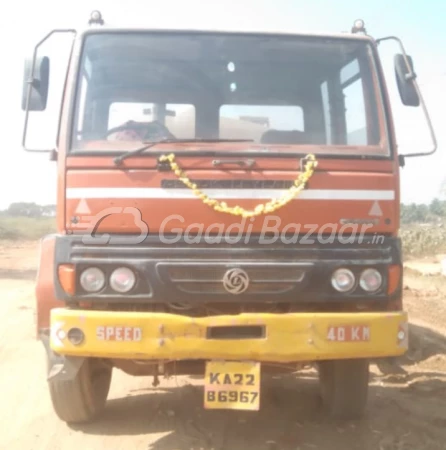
84 397
344 387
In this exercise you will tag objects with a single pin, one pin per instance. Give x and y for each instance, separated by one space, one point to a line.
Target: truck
227 206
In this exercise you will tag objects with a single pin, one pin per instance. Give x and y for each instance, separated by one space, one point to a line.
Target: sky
26 176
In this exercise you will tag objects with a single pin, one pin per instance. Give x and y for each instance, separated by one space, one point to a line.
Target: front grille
192 275
269 272
218 288
207 277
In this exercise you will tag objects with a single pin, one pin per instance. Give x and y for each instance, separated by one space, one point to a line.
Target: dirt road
407 410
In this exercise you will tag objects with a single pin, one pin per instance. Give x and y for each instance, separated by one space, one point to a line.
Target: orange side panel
45 296
161 213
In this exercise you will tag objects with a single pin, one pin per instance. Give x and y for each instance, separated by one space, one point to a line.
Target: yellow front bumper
288 337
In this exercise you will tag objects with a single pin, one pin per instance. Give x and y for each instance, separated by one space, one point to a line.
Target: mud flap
60 368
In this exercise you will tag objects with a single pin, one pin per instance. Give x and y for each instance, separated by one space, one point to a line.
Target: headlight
76 336
370 280
343 280
92 279
122 280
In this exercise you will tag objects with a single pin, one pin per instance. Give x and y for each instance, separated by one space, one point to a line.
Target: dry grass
423 240
26 228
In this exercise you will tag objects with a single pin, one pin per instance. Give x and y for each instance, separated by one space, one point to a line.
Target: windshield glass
281 92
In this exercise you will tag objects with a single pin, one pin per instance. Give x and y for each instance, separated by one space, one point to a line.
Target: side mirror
39 81
409 91
404 79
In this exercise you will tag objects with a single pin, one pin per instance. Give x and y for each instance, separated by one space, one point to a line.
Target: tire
83 398
344 387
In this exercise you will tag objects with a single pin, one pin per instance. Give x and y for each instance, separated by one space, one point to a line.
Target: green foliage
423 240
25 209
28 221
27 228
423 230
435 212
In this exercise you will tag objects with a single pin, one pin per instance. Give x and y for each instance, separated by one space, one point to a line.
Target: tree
437 207
442 192
25 209
414 213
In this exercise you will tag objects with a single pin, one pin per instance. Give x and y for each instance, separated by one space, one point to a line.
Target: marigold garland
266 208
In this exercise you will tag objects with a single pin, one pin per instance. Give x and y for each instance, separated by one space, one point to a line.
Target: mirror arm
32 82
411 76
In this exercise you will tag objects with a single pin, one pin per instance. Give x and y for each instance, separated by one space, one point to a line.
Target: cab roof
249 32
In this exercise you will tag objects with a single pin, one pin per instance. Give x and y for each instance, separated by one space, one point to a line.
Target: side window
82 99
327 113
355 112
84 111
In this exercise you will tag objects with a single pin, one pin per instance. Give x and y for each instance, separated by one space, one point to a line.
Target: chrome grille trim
206 277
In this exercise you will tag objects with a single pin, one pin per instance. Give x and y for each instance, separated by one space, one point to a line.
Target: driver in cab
140 131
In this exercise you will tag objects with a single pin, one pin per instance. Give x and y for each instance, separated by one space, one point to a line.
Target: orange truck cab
227 205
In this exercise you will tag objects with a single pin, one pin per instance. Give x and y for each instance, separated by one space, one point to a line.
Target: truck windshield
281 92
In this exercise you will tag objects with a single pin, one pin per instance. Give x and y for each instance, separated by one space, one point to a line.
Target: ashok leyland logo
236 281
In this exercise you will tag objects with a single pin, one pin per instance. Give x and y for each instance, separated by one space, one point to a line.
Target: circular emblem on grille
236 281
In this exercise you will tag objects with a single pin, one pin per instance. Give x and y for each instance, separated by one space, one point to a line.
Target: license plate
349 333
232 385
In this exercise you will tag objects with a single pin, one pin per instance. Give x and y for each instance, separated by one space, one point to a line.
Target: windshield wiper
140 150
